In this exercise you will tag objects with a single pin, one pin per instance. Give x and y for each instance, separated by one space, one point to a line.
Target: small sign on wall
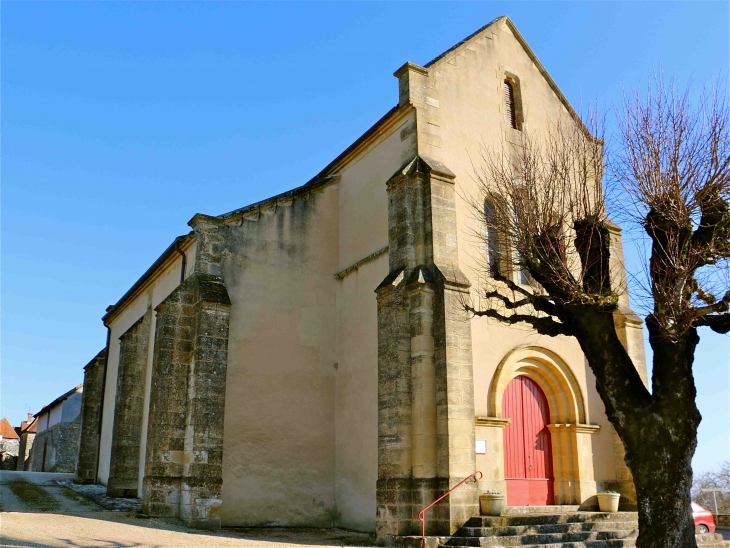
481 447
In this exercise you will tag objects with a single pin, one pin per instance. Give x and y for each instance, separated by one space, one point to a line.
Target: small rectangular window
509 99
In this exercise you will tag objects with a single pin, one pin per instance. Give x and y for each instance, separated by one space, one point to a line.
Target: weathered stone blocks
129 409
183 467
425 392
90 419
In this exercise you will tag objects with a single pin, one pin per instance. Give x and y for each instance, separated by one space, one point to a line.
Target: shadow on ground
84 516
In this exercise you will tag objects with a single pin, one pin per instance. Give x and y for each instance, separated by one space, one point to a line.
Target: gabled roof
59 399
531 54
30 427
329 172
7 431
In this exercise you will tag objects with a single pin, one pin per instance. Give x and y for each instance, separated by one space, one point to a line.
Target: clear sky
120 121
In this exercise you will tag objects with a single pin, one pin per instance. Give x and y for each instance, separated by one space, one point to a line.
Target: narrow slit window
492 237
509 100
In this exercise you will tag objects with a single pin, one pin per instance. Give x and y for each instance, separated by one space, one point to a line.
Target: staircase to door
528 462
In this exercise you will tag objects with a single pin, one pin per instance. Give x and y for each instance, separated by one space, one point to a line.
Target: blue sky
120 121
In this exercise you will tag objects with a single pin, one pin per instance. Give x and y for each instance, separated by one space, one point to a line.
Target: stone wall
10 446
90 416
183 466
57 448
129 409
26 443
9 449
8 461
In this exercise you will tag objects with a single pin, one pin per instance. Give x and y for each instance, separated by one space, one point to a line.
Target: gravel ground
97 493
120 529
74 515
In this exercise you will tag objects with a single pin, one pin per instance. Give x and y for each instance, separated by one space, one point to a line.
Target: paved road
72 519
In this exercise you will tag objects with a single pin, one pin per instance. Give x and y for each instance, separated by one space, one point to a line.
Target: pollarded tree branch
723 305
712 235
719 323
506 301
512 286
703 295
545 326
540 302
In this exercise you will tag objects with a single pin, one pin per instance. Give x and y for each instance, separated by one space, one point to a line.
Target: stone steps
711 540
568 528
576 527
554 509
612 543
550 519
552 539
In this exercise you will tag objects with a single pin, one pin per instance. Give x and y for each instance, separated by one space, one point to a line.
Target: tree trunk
658 429
661 465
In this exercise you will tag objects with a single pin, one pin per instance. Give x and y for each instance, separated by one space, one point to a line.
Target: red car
704 521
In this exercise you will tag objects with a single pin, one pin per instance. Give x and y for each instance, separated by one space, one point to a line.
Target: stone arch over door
572 467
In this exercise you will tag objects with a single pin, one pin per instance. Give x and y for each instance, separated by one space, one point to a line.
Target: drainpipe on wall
184 258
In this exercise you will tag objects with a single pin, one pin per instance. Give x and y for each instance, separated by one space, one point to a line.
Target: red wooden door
528 463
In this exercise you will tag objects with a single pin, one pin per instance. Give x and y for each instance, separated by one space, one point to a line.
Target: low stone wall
57 448
9 450
10 446
8 461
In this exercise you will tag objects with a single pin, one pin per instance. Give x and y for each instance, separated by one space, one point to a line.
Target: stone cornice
577 428
494 422
410 66
203 218
342 273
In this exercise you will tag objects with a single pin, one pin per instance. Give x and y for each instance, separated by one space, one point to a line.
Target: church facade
304 361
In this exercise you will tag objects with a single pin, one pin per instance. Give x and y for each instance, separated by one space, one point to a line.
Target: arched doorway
528 462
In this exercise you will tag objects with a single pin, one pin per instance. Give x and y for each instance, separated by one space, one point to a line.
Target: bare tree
703 484
548 263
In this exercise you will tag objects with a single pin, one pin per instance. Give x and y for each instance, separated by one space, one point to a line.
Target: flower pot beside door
491 504
608 501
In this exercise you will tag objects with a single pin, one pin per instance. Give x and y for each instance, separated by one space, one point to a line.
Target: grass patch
34 496
76 497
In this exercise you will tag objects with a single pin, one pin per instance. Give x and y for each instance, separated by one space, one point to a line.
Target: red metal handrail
421 514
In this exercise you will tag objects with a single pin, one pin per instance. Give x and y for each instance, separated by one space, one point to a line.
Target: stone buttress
425 376
129 409
183 467
90 419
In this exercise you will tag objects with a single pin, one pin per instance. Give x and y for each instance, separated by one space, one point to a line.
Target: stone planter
491 504
608 502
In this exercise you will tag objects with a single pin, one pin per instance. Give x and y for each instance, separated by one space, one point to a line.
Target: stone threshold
552 509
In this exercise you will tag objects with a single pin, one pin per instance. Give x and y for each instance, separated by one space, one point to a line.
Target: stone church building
302 361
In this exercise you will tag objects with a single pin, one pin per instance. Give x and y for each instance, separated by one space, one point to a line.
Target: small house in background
26 431
58 426
9 445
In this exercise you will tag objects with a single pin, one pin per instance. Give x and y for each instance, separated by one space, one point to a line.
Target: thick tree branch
545 326
723 305
512 286
506 301
719 323
710 238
